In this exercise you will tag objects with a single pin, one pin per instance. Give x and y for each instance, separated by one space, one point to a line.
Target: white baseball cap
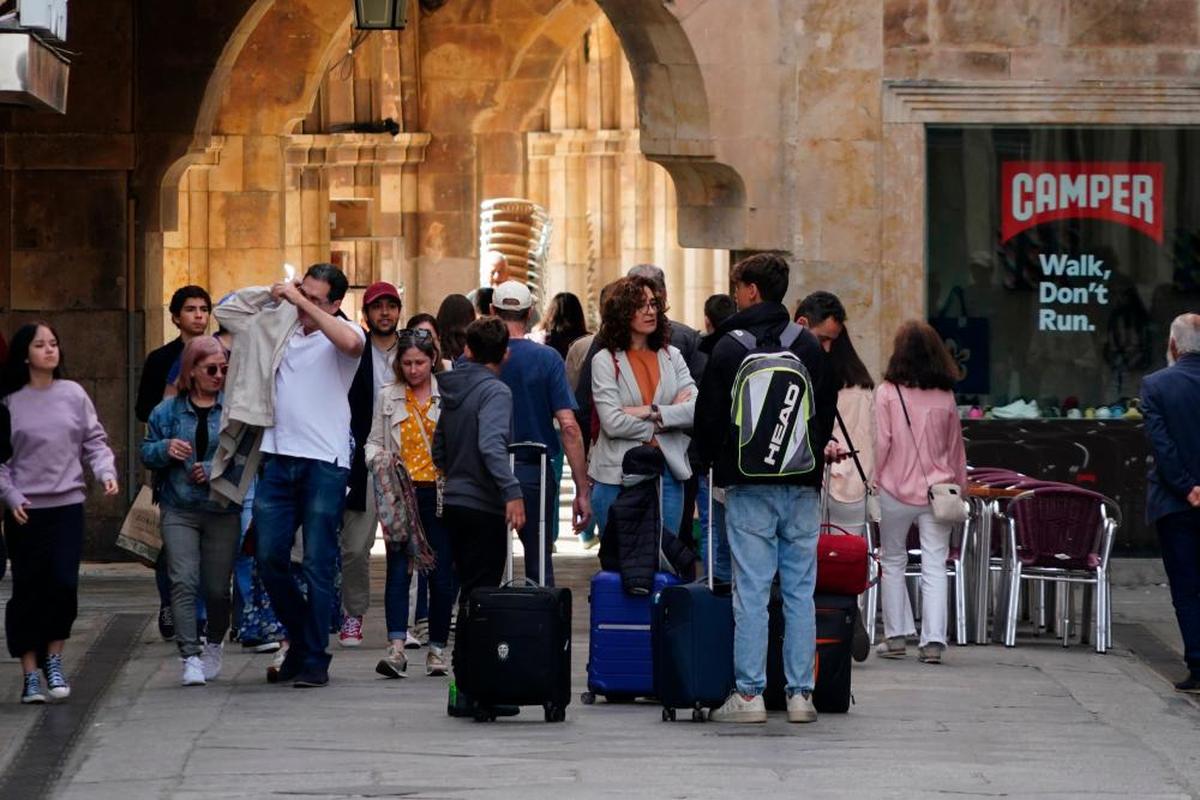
512 296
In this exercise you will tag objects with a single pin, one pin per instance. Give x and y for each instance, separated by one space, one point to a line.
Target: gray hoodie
470 444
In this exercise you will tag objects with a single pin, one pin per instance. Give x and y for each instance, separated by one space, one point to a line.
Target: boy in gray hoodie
481 498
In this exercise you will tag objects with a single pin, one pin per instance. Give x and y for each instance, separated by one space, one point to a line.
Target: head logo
1126 192
502 651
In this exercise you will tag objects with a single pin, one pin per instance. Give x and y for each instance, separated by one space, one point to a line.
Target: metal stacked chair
519 230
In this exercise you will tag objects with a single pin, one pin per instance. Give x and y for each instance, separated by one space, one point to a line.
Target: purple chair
1063 535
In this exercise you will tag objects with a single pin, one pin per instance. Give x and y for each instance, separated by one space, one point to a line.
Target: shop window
1057 258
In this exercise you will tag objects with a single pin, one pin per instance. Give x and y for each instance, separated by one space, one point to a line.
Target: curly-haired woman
643 393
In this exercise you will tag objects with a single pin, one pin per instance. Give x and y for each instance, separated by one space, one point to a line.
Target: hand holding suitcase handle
515 510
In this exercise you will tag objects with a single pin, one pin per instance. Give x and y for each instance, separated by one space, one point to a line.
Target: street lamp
374 15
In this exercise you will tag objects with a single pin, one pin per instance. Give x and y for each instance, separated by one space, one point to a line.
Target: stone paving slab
1037 720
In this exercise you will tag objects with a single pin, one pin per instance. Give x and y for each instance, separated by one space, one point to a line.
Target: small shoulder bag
945 499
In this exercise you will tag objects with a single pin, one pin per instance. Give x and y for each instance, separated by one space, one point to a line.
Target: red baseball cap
381 289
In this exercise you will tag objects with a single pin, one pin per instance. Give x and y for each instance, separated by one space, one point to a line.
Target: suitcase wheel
587 698
668 715
555 713
485 714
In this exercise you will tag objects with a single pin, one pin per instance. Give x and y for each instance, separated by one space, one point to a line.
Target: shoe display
56 681
800 708
1103 412
975 413
166 623
32 693
193 671
435 662
894 647
211 659
1089 413
1017 409
931 653
1133 412
350 634
740 709
1074 413
394 663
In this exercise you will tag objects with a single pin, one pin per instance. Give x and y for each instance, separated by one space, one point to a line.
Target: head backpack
772 403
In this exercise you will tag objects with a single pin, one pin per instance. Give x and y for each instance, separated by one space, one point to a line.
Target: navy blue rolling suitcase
620 665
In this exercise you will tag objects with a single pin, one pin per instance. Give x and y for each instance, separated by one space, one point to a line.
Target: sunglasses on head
212 369
418 334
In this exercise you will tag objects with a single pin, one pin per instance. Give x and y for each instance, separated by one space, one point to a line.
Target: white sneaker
193 671
411 642
211 660
800 708
394 663
280 655
738 709
435 662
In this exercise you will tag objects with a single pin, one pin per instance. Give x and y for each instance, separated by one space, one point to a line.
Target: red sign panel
1126 192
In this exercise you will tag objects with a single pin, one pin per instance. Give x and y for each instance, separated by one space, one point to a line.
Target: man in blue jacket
1169 401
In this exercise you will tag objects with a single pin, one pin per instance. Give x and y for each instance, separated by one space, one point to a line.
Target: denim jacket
174 418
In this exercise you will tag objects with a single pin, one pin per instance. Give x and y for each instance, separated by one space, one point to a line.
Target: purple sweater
54 430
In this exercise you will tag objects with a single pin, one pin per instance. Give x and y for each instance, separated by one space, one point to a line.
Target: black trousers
45 554
1179 535
479 541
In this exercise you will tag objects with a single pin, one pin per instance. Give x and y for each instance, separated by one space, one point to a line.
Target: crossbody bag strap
850 445
912 434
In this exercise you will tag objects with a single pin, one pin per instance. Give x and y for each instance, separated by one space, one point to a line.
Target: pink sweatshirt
936 428
54 430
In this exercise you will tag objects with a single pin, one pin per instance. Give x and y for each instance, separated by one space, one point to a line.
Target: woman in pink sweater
54 432
918 442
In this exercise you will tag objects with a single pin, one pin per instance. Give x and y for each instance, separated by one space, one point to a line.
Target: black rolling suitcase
691 640
836 615
518 649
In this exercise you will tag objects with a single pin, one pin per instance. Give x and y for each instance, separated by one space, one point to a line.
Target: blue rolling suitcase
620 666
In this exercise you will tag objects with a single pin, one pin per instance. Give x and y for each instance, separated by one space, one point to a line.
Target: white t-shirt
312 413
382 365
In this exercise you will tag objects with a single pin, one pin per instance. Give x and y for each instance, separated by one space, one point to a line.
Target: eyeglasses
650 306
418 334
212 369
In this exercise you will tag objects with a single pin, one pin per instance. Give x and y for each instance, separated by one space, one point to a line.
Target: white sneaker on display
738 709
211 660
193 671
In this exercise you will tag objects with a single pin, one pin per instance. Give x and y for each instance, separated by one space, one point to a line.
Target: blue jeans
773 528
443 586
301 492
603 495
1181 558
527 474
722 569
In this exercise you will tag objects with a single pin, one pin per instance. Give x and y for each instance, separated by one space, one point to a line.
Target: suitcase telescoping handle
540 449
709 552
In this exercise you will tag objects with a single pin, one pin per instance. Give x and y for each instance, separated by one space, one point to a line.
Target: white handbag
945 499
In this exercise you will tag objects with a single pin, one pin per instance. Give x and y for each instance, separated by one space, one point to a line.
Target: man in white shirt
306 465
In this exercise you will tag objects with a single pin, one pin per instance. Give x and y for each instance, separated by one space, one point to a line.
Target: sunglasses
418 334
212 369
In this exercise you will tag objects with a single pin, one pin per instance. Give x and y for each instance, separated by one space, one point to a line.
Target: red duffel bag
841 562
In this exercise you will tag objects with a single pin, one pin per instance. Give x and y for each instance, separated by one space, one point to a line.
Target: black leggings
45 554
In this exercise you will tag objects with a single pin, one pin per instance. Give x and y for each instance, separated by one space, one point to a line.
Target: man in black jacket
771 521
381 309
190 308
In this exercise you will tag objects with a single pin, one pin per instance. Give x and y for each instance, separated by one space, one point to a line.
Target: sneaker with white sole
800 708
351 633
740 709
193 671
931 653
32 693
435 662
56 681
394 663
894 647
411 642
211 659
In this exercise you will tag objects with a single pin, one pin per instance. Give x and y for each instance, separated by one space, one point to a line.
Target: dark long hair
16 368
564 322
624 300
848 368
423 343
920 360
453 317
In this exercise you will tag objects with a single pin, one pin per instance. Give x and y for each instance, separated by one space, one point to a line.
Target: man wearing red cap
381 310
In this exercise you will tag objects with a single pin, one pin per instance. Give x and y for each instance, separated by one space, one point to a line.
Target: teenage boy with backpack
767 404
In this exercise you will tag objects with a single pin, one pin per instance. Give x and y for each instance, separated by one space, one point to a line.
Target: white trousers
896 519
850 517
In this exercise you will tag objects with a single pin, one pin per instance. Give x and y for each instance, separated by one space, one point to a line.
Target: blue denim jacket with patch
174 418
